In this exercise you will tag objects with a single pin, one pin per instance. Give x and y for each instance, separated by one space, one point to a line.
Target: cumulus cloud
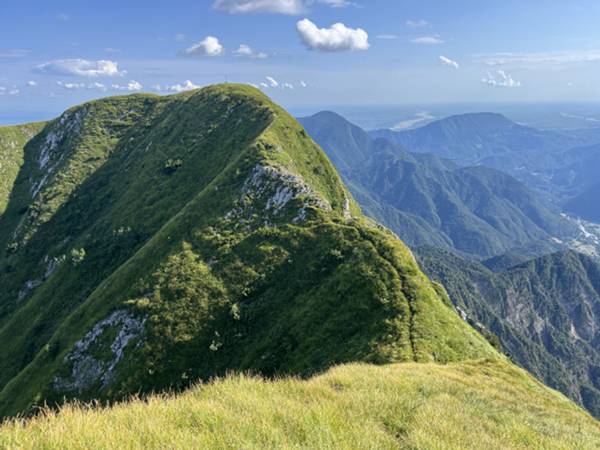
501 79
291 7
248 52
97 86
209 46
449 62
427 40
272 82
81 67
187 85
419 23
71 86
132 86
335 39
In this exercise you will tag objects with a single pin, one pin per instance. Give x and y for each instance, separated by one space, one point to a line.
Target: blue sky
383 52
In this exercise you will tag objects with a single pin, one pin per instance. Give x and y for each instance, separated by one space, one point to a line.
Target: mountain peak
178 238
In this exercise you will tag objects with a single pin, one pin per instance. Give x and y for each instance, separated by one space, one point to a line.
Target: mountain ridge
210 220
428 200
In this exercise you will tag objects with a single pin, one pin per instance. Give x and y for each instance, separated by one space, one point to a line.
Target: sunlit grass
484 405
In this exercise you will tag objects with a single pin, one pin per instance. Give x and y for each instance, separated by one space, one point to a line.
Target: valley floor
487 404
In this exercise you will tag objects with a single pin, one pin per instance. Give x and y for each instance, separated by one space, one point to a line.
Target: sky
303 53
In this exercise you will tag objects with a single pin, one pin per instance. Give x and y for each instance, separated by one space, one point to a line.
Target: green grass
224 281
472 405
12 150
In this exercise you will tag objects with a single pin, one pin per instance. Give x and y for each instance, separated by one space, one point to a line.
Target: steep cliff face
153 241
545 312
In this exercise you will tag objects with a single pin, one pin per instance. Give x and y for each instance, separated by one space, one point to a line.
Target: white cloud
287 86
556 58
419 23
97 86
449 62
9 91
31 83
209 46
132 86
187 85
260 6
335 39
427 40
81 67
303 84
248 52
290 7
337 3
423 116
71 86
264 85
501 79
92 86
272 82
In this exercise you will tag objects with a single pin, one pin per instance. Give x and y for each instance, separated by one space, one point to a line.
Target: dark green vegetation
546 313
428 200
153 241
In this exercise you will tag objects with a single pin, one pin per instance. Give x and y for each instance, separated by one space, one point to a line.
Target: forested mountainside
428 200
556 164
545 312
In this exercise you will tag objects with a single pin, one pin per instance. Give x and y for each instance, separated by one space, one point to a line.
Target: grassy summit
153 241
474 405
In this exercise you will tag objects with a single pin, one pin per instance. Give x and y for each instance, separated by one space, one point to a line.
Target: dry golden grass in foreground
480 404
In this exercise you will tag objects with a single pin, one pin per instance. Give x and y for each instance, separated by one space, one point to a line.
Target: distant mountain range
546 161
546 313
429 200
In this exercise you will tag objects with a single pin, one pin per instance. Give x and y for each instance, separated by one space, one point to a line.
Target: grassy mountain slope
12 143
545 313
427 200
153 241
481 404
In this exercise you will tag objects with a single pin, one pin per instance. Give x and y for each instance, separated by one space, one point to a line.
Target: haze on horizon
303 53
